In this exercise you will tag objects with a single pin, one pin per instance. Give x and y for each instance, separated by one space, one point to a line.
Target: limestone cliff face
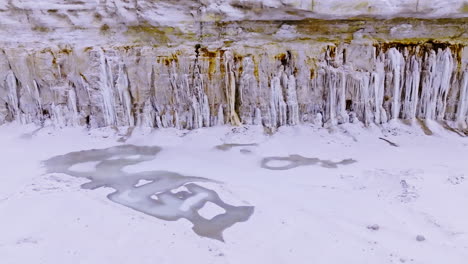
196 64
85 21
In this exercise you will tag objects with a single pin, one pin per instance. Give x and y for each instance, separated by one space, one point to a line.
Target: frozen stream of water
293 161
160 195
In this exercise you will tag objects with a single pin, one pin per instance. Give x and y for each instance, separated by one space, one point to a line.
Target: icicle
427 86
198 119
293 108
231 90
177 120
334 80
10 82
257 117
342 116
445 61
412 81
380 115
278 107
107 91
331 99
148 116
395 60
58 115
159 123
253 87
318 120
59 69
36 94
166 119
364 91
122 86
72 104
462 110
436 84
205 111
220 115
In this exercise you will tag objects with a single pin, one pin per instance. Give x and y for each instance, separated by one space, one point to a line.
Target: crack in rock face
293 161
164 194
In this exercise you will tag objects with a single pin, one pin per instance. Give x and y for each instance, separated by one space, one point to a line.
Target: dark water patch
295 160
229 146
163 194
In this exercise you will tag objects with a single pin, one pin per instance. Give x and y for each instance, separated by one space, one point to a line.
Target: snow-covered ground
399 196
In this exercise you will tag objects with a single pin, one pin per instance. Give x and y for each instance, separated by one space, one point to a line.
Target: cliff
192 64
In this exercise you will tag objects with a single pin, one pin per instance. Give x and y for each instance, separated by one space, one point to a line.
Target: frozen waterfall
188 88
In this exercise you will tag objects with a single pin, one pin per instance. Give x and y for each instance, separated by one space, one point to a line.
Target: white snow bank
370 211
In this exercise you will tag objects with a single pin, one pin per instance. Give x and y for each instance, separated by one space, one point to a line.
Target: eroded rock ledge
271 73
